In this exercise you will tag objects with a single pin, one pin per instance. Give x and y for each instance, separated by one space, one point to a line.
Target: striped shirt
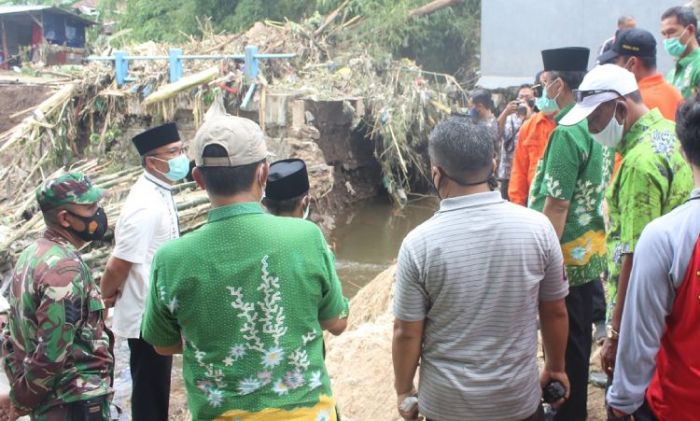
475 272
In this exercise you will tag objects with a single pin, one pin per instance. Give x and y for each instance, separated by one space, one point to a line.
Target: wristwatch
612 333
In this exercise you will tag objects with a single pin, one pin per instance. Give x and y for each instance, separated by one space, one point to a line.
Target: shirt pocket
92 326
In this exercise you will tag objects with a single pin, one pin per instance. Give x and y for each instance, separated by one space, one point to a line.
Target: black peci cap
631 43
156 137
287 179
567 59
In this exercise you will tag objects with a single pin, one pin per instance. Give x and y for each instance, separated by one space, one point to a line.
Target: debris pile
84 124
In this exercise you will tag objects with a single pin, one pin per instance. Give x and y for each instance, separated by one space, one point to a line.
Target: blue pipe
213 57
248 96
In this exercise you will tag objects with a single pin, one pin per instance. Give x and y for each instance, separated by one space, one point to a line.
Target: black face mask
95 225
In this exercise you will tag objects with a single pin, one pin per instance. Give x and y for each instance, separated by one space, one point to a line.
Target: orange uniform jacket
657 93
532 141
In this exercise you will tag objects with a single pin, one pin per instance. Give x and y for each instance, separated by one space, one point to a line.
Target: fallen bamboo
172 89
42 112
432 7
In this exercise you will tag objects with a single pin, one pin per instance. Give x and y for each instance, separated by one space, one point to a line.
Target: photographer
509 123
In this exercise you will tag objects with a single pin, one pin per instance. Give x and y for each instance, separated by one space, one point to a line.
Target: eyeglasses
172 151
581 95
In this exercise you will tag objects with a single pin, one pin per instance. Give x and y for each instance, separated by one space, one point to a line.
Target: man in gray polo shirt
469 285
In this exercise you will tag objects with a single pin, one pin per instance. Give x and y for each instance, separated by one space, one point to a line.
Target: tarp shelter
32 26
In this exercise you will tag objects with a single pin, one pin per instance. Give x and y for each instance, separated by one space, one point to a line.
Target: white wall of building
513 32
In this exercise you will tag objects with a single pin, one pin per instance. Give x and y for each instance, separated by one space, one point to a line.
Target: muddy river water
366 239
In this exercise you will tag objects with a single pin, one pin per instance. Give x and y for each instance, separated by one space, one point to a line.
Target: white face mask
306 211
612 134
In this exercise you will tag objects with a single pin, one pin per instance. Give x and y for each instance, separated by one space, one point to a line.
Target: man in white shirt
148 219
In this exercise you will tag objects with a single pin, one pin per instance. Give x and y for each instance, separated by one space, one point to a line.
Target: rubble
85 124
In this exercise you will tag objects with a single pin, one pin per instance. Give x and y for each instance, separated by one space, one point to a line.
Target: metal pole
214 57
175 61
251 63
121 67
275 55
248 96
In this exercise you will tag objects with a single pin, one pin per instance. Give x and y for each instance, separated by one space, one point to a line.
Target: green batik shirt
653 178
246 293
577 169
57 349
685 75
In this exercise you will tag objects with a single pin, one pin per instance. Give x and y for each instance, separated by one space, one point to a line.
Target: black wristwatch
613 417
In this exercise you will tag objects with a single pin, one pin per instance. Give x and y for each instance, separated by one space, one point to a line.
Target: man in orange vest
532 141
635 50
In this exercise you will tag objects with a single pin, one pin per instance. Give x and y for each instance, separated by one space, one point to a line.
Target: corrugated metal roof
6 10
11 10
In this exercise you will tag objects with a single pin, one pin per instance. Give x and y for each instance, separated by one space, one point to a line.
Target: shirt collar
470 201
564 111
652 80
634 135
695 192
155 180
236 209
53 236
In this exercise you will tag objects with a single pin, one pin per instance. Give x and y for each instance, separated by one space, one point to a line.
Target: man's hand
616 415
608 353
5 407
412 413
16 413
548 376
109 301
511 108
8 412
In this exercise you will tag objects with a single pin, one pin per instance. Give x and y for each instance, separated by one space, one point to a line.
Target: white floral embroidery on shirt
262 329
553 187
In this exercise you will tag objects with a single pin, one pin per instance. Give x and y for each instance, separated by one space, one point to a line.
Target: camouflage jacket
57 349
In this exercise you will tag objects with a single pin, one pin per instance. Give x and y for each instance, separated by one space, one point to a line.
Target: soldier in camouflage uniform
57 350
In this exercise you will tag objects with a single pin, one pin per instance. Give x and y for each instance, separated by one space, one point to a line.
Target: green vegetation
444 41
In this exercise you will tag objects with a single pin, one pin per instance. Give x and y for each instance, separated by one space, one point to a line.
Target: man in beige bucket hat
247 296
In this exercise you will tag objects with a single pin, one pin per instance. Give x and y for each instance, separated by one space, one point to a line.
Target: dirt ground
359 361
17 98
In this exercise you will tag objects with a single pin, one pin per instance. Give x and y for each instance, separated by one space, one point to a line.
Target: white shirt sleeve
649 300
134 234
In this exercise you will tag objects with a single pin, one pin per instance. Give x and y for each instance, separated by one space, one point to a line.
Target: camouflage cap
72 187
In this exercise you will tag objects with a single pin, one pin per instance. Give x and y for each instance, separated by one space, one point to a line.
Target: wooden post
6 52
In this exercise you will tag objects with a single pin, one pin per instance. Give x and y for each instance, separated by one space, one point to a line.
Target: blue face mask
178 168
545 104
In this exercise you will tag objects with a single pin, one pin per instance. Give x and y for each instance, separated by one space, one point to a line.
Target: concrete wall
513 32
